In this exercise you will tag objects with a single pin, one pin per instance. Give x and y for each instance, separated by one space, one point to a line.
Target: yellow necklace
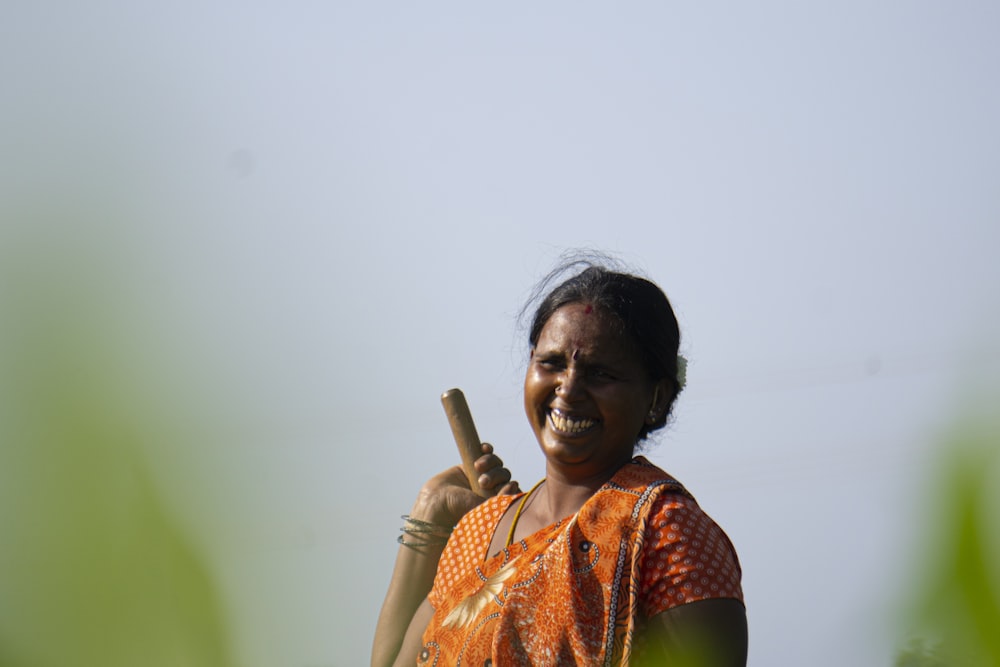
517 514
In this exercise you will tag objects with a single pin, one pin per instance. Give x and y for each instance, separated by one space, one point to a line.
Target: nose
570 384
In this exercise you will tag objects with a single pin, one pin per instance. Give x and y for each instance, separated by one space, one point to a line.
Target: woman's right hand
442 501
446 497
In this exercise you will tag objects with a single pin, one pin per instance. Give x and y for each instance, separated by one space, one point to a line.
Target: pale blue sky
336 209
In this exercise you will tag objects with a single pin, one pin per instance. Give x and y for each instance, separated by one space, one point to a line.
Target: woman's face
586 393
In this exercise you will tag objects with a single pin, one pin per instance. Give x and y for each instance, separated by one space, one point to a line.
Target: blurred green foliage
955 614
94 570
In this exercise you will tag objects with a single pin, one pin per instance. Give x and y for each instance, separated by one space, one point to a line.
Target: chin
564 449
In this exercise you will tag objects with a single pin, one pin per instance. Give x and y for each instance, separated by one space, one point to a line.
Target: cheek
535 388
538 389
630 409
532 385
530 380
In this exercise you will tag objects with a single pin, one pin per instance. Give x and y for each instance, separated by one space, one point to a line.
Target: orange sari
577 591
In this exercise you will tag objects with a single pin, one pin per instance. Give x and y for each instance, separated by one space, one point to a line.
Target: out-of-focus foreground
95 570
953 612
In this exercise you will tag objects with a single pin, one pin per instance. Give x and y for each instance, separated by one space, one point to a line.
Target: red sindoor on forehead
588 309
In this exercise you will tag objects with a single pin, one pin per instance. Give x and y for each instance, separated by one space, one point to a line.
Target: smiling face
586 393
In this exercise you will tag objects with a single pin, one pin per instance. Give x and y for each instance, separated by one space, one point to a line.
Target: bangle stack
418 534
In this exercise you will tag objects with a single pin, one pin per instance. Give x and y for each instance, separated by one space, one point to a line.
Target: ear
662 395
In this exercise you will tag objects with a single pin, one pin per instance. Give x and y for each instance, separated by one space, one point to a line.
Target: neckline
524 499
520 508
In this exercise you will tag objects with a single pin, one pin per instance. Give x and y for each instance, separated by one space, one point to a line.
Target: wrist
423 536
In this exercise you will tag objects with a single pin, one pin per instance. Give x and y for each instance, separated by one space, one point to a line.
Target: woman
608 560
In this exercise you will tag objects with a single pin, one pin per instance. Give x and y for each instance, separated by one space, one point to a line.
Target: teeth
567 424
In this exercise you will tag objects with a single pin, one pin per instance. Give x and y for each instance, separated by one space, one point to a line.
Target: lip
567 424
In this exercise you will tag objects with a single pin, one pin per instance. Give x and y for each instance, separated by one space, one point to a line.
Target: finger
487 462
494 478
487 448
511 488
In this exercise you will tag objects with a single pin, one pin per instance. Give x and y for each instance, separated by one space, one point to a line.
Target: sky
305 221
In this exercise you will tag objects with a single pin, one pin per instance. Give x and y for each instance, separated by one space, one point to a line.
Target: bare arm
707 633
442 500
412 578
414 640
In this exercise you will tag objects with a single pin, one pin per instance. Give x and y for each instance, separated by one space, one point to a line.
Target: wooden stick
464 430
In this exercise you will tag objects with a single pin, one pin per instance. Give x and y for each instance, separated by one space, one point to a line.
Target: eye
602 374
551 363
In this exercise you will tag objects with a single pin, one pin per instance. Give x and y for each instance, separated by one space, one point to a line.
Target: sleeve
466 547
686 557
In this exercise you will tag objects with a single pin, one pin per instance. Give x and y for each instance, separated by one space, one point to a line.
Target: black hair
641 308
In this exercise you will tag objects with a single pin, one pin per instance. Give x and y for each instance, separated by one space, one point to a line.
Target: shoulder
639 474
677 519
686 555
679 525
642 479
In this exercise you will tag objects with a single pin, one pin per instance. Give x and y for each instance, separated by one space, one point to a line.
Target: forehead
582 327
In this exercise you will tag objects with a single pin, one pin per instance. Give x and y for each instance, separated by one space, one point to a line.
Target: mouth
567 424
